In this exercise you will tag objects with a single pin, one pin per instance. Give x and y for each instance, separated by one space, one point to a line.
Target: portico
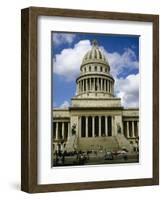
95 126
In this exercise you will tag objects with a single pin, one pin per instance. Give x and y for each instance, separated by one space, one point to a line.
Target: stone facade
96 118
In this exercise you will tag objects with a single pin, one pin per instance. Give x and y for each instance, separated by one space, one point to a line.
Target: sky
121 51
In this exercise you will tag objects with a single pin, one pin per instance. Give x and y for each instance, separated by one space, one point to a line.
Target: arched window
90 68
95 68
101 69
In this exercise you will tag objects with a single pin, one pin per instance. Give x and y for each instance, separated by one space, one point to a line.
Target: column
101 85
63 130
86 82
94 83
127 129
79 126
86 127
137 128
133 129
93 126
108 85
97 79
78 87
91 84
68 130
106 88
81 85
100 126
56 131
98 84
112 88
113 126
104 85
106 125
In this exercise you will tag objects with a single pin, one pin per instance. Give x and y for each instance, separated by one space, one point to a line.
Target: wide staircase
124 143
112 143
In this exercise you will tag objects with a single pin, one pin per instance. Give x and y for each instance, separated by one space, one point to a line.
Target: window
101 69
95 68
90 68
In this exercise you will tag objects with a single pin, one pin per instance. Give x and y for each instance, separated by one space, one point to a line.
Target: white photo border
48 175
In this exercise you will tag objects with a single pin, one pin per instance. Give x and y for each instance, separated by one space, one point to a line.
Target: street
93 159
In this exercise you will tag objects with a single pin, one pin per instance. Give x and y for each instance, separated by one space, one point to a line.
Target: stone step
99 143
124 143
112 143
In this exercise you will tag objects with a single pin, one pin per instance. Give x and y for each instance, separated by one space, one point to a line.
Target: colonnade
131 128
95 126
61 130
95 84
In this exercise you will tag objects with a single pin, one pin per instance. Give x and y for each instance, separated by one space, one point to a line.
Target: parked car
108 156
122 154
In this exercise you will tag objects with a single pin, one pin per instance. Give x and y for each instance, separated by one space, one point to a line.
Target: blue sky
122 52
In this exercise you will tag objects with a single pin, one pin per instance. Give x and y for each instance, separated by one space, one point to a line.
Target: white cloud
128 90
63 38
65 104
68 62
121 62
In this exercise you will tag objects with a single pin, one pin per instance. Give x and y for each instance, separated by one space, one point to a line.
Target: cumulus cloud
65 104
68 62
128 90
121 62
63 38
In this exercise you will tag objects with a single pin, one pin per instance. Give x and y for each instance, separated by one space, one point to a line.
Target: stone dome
95 80
95 55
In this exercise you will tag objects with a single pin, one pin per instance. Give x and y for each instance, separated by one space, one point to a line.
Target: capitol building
96 119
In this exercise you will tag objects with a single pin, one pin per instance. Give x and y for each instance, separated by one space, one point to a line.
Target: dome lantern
95 55
94 43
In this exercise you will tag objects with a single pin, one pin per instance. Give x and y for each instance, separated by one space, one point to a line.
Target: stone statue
118 128
73 129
